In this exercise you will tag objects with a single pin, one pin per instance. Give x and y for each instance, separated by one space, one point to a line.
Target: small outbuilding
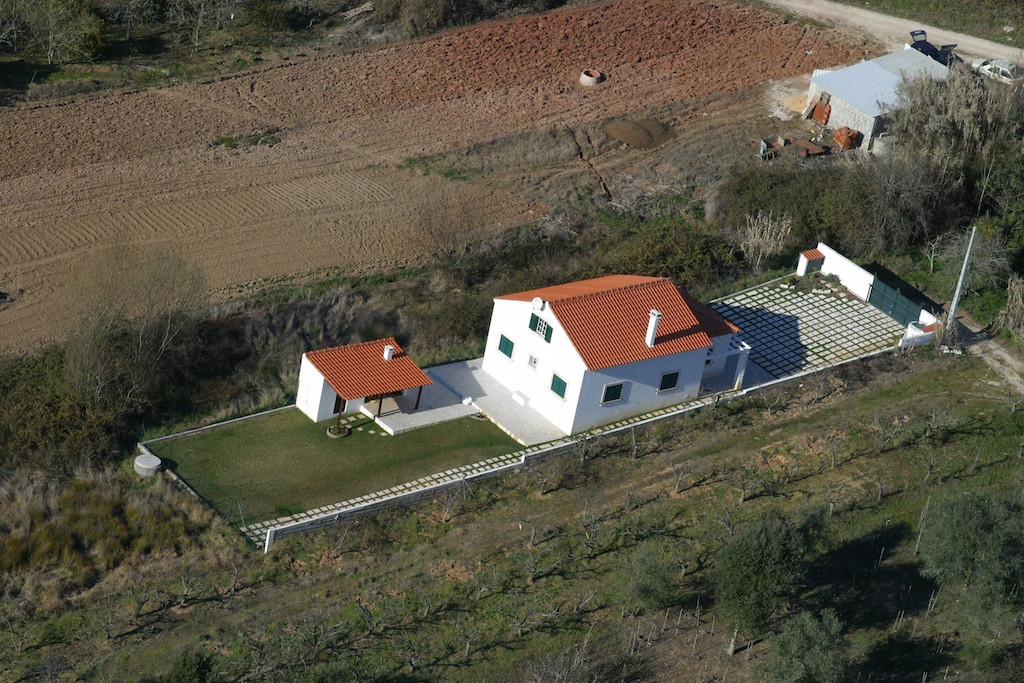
858 96
339 380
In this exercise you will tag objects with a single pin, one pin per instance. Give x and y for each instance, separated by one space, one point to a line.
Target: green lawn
282 463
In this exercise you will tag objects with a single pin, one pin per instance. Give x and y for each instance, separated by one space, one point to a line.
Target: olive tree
809 649
761 571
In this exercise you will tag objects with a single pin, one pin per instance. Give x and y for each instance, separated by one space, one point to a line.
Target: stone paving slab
791 331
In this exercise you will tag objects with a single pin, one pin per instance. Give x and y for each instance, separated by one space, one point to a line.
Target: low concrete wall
405 499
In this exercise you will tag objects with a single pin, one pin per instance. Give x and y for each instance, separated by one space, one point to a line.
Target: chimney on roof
652 327
389 352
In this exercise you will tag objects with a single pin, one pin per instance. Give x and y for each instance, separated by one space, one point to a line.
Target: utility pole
951 318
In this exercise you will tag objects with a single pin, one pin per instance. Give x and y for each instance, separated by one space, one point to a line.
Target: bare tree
130 315
449 223
932 250
1012 317
764 235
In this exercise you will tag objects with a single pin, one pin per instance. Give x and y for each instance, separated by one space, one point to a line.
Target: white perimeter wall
640 393
533 384
852 276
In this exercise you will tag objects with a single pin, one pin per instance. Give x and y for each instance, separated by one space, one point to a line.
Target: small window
505 345
558 385
708 362
669 381
532 362
612 393
540 326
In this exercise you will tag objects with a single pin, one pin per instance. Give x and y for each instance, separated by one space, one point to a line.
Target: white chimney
389 352
652 327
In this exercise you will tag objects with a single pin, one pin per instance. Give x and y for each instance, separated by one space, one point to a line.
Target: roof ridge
613 290
390 340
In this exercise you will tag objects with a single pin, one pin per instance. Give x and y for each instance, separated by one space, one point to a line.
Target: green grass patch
282 463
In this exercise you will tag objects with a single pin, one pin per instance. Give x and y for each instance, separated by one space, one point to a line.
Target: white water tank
147 465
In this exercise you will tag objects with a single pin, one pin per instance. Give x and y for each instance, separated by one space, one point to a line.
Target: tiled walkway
791 331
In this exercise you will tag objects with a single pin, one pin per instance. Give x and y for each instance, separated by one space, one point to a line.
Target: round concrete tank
147 465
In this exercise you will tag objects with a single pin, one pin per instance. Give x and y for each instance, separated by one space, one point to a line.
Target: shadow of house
775 342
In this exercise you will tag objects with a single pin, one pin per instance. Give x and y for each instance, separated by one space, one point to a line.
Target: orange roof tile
812 254
606 318
359 370
710 320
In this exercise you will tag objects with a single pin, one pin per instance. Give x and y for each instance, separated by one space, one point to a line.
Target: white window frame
604 391
670 389
531 361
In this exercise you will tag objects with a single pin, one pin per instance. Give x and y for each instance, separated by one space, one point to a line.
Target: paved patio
522 423
791 331
437 404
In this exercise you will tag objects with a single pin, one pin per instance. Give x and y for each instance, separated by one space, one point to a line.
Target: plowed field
140 169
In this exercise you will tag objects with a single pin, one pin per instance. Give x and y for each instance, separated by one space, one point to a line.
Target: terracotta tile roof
710 320
606 318
359 370
812 254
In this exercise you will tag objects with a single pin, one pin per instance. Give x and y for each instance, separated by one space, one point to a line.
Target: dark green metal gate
892 302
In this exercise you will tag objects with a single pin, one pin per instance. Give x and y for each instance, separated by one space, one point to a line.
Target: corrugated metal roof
871 86
606 318
359 370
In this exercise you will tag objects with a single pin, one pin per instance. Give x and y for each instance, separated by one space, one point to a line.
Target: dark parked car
943 55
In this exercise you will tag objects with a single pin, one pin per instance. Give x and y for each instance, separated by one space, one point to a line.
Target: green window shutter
533 321
547 334
558 385
505 345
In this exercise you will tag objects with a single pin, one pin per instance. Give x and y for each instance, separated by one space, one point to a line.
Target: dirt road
894 32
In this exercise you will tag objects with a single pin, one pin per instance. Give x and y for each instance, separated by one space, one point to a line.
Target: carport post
418 395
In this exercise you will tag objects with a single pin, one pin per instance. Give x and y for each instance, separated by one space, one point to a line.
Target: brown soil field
140 169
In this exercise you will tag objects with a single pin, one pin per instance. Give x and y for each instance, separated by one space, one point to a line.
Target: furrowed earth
143 169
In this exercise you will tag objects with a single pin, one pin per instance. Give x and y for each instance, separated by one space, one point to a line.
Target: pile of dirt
138 167
643 134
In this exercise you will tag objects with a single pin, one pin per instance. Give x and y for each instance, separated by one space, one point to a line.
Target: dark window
558 385
669 381
612 393
540 326
505 345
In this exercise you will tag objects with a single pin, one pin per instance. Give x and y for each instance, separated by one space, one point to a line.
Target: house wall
315 397
640 393
852 276
532 384
717 355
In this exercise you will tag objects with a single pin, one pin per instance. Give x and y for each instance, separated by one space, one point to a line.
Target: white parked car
1000 69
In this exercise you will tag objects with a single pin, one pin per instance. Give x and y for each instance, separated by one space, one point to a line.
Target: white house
341 379
861 94
589 353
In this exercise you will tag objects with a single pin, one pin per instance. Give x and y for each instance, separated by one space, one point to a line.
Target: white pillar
741 368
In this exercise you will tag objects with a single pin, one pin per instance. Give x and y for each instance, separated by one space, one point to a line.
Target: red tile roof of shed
606 318
359 370
812 254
